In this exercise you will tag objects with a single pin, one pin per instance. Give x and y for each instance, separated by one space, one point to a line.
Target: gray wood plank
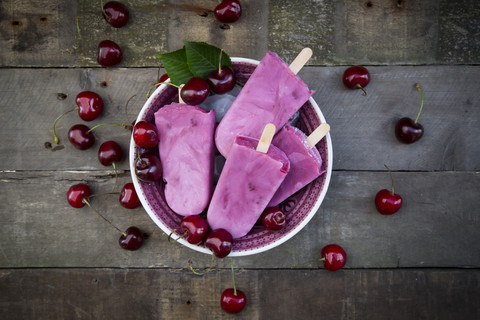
437 226
178 294
362 127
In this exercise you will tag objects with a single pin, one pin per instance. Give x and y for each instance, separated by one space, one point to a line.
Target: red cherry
109 153
128 197
356 77
408 131
334 257
231 302
80 137
222 81
273 218
228 11
116 14
145 135
148 167
90 105
195 227
163 78
109 53
388 203
220 241
195 91
77 193
131 239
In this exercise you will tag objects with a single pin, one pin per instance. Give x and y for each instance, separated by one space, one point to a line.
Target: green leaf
175 63
203 58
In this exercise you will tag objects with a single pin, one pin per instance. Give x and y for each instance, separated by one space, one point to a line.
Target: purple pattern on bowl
298 208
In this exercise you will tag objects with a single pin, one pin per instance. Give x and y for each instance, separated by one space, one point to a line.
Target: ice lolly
305 160
272 94
186 150
247 183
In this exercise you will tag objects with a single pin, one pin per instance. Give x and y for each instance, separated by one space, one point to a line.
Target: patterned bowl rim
202 249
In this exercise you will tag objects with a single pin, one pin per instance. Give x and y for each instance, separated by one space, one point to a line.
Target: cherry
90 105
386 201
77 193
228 11
333 257
356 77
222 80
128 197
116 14
407 130
195 91
232 299
110 153
194 228
81 137
273 218
109 53
220 241
132 239
164 77
145 135
148 167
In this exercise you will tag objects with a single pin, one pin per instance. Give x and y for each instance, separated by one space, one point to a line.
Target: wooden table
58 262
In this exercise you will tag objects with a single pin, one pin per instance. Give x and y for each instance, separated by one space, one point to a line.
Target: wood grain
436 227
179 294
362 128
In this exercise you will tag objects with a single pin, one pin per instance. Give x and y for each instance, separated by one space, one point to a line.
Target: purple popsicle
305 160
186 150
246 185
272 94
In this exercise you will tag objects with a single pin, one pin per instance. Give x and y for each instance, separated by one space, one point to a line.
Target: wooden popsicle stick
266 139
180 100
318 134
301 60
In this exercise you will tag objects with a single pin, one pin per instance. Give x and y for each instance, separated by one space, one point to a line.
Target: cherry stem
322 259
160 83
233 278
190 266
126 105
220 62
55 122
391 177
421 105
124 126
176 240
103 10
360 87
78 27
101 216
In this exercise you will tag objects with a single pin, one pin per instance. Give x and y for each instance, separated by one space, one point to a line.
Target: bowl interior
299 208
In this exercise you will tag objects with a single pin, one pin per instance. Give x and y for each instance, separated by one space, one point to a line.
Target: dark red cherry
334 257
109 153
148 167
80 136
233 302
77 193
128 197
220 241
356 77
222 81
145 135
195 228
408 131
273 218
195 91
109 53
116 14
90 105
228 11
132 239
164 77
388 203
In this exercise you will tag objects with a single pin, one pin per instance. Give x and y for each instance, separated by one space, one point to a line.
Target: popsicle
272 94
251 175
186 150
305 160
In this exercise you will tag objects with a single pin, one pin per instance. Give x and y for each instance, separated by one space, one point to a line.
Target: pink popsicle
305 162
186 151
246 185
272 94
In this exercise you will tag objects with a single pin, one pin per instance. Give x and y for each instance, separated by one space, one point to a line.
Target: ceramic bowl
299 208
